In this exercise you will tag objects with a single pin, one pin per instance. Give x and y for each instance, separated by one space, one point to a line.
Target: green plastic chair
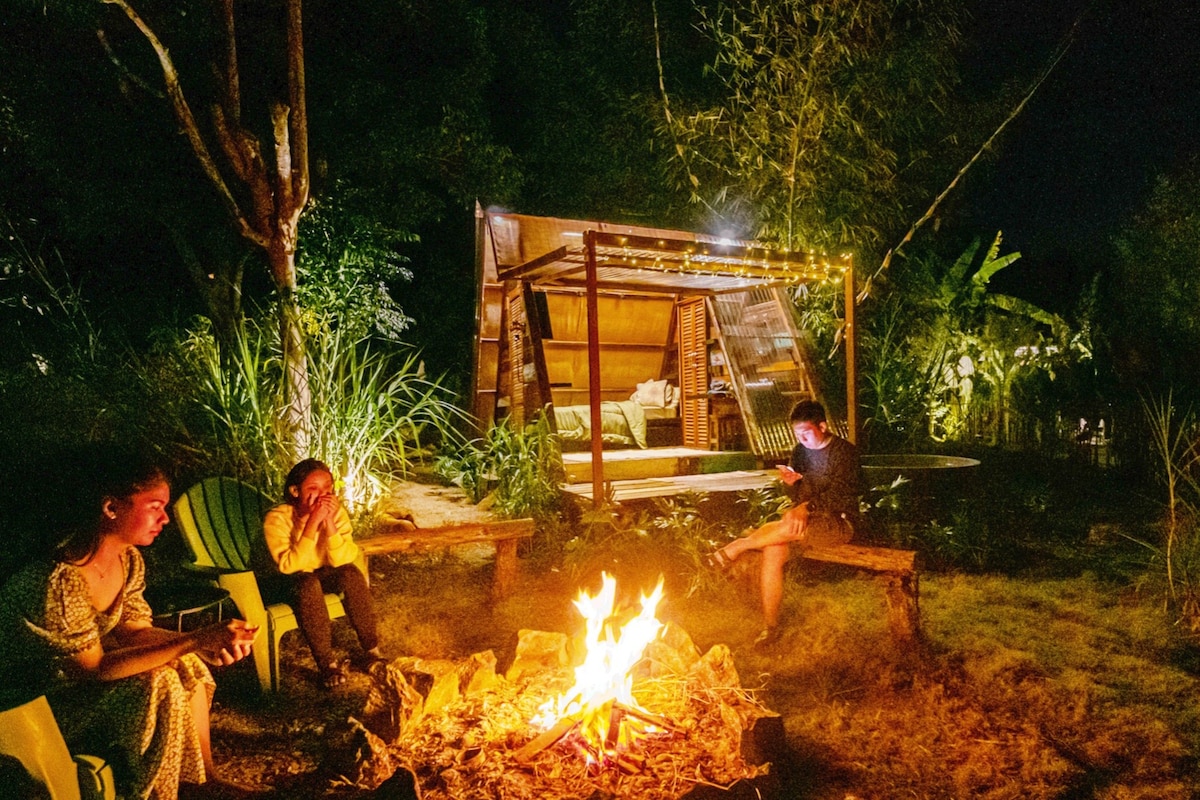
29 734
222 523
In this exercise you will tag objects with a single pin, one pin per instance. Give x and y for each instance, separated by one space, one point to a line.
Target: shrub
521 469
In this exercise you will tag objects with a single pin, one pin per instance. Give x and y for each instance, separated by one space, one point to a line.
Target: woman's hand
324 508
225 642
331 504
321 519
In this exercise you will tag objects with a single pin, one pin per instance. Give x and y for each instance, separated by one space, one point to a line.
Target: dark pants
308 598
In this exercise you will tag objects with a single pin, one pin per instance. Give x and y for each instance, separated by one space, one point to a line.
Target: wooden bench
505 534
897 568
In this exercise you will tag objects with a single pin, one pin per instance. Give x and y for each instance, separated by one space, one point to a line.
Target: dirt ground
1062 687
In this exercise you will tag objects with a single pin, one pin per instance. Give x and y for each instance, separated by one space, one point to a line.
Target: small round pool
915 462
933 483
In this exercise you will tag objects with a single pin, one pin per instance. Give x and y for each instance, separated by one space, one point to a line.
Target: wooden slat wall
634 337
489 310
693 371
516 354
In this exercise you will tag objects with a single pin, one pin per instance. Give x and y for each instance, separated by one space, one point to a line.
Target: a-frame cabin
691 333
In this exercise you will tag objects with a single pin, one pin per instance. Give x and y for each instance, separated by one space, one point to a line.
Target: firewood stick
546 739
629 763
646 716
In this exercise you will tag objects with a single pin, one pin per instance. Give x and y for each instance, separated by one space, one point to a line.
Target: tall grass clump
1175 440
238 388
521 468
374 413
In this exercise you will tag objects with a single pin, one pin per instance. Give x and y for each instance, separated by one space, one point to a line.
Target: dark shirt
832 479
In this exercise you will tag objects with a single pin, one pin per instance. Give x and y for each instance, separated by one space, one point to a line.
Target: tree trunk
277 190
297 395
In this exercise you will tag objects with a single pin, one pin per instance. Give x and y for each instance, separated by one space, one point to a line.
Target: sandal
766 637
333 675
370 658
718 560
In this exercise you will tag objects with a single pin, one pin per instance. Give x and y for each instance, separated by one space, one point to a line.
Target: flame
604 681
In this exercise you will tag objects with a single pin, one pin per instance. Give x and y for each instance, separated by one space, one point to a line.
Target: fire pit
643 714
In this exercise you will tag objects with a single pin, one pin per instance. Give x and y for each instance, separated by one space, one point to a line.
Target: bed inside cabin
639 392
648 418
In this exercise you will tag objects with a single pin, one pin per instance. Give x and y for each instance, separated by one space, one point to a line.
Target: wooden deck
641 488
655 462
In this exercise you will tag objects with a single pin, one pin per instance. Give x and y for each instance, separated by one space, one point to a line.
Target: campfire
600 706
641 714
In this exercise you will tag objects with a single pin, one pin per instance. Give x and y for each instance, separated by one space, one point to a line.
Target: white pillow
672 396
651 393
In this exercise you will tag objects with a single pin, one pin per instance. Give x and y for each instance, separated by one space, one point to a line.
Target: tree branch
134 79
937 201
232 77
297 94
245 154
283 162
183 114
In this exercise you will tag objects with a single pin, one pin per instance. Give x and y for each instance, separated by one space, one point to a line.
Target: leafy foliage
946 353
824 104
523 468
670 537
348 263
1151 294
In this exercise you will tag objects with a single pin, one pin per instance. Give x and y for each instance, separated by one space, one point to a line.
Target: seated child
308 536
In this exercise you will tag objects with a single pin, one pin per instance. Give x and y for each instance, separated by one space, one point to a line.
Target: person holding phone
824 478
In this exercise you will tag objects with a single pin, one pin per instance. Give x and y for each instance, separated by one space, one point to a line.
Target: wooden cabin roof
552 252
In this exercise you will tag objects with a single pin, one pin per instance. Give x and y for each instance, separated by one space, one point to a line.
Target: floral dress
142 724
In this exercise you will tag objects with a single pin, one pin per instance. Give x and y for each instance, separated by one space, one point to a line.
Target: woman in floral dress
76 628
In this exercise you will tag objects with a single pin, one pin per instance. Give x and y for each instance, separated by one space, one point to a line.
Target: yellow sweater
282 528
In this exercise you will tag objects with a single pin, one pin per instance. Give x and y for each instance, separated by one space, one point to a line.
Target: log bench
505 534
898 571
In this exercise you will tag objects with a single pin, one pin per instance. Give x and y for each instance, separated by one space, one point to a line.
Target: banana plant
979 339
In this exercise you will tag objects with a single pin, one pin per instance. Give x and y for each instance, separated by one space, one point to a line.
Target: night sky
1121 107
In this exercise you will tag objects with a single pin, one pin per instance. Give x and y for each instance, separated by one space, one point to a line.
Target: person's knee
774 557
306 583
351 579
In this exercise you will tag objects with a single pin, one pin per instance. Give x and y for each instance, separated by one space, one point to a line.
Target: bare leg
789 529
199 703
770 578
214 786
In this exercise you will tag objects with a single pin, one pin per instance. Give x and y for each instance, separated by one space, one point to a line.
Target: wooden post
851 342
593 336
505 569
903 610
